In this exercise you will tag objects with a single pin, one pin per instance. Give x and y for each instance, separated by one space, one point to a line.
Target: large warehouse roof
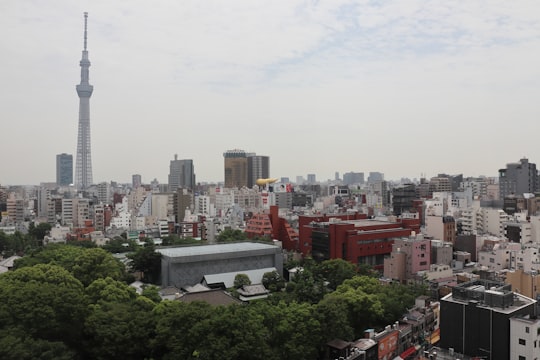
213 249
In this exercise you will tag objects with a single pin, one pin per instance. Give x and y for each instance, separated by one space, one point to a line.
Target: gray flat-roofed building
187 266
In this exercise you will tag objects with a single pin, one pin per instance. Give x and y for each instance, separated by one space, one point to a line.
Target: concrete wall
189 270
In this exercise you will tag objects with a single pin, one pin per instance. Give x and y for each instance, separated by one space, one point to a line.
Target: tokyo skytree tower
83 166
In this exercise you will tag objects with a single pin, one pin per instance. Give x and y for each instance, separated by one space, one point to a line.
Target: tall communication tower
83 167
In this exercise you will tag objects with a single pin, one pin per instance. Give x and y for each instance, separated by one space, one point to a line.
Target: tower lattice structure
83 167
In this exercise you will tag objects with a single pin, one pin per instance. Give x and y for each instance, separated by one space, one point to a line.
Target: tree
151 292
110 290
43 302
241 280
120 330
233 332
332 312
38 232
21 347
293 329
16 244
396 299
59 254
363 302
306 287
96 263
119 245
273 281
176 335
335 271
229 235
148 262
367 270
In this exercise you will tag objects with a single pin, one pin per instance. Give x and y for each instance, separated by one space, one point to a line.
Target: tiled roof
213 297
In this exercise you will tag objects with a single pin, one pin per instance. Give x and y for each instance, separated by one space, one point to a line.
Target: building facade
475 318
524 337
258 167
518 179
408 257
64 169
181 174
187 266
235 168
136 180
351 237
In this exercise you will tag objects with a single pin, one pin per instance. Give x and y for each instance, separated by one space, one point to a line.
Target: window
522 357
521 341
527 329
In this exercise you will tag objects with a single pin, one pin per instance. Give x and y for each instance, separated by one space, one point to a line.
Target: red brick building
351 237
271 225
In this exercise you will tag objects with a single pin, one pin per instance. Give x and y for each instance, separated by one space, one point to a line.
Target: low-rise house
214 297
253 292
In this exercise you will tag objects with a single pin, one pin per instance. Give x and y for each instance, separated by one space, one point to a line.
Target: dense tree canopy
66 302
42 302
148 261
230 235
96 263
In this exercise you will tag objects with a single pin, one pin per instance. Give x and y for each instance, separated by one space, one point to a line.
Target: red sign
388 345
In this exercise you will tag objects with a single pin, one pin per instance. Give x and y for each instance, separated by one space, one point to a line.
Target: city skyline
400 88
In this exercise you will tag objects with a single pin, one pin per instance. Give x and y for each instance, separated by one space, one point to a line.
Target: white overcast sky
400 87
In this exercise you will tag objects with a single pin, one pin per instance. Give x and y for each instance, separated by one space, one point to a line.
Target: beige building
525 283
498 257
441 228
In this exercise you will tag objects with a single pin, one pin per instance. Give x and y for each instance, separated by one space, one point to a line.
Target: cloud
199 77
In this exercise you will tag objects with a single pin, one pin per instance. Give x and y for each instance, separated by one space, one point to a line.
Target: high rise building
351 178
375 176
518 178
181 174
83 166
136 180
64 169
258 167
104 193
235 168
311 179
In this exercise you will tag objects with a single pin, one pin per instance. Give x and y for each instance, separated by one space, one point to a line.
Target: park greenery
75 302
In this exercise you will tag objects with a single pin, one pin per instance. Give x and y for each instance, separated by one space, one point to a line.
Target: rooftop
214 297
213 249
227 279
489 294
